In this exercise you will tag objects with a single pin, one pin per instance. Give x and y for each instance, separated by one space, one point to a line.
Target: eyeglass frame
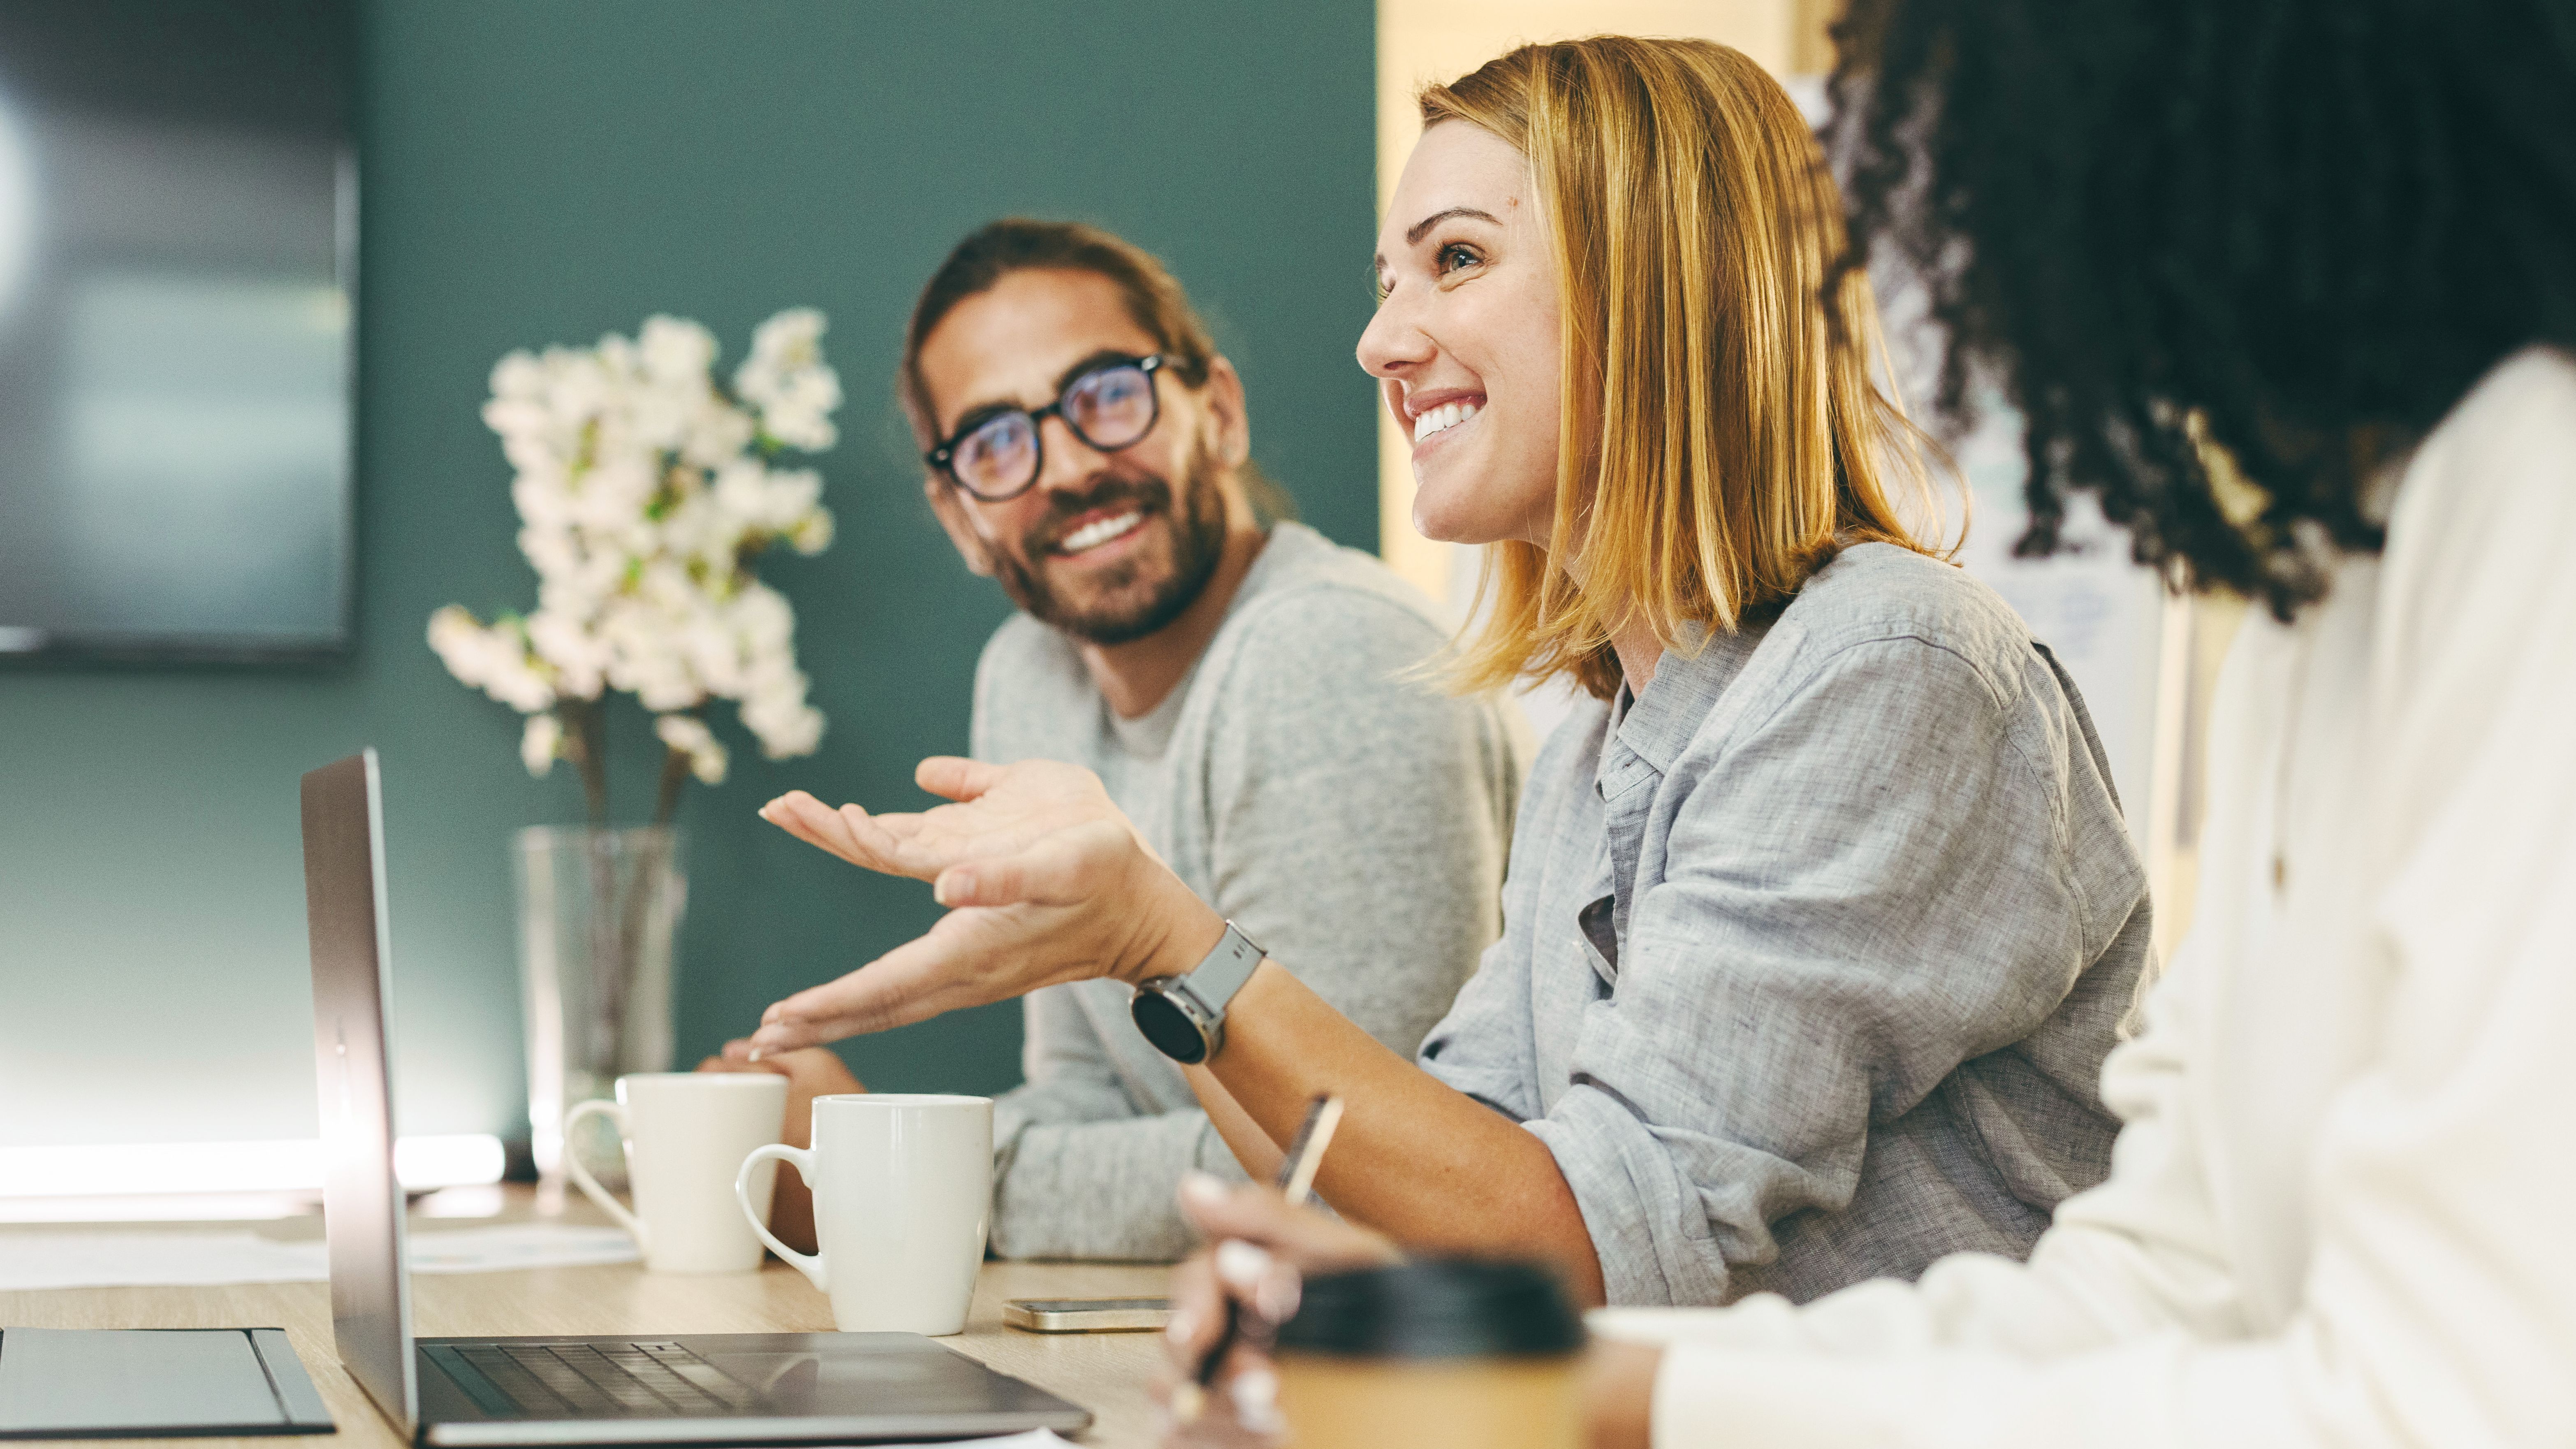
943 458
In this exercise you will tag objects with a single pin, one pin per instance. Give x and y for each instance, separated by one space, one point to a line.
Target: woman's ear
953 517
1225 409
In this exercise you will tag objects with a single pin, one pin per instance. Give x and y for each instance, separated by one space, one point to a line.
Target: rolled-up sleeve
1857 894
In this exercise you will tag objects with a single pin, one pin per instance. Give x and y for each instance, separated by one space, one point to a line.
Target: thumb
954 778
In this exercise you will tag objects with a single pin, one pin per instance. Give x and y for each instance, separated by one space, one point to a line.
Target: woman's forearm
1252 1147
1415 1159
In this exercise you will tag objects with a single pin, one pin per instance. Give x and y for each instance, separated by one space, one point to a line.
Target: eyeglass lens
1110 408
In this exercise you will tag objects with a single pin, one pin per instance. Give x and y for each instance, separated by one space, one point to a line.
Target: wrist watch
1184 1016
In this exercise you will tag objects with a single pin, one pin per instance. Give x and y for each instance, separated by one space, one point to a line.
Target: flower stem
675 774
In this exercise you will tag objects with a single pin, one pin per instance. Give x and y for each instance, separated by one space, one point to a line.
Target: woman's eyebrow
1437 217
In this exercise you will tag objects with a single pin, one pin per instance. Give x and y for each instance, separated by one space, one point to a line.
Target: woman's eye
1453 256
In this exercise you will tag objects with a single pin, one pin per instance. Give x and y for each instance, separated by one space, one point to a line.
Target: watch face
1168 1027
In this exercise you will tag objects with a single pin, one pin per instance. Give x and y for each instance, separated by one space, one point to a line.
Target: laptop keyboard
605 1381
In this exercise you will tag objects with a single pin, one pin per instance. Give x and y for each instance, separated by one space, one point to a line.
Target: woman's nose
1393 343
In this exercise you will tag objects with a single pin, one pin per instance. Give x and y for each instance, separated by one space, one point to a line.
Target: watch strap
1221 974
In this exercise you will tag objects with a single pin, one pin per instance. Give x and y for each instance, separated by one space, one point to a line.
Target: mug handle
581 1177
809 1264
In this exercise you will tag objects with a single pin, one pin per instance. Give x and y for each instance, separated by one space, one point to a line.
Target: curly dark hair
2297 229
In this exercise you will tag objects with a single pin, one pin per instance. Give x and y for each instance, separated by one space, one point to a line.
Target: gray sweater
1353 823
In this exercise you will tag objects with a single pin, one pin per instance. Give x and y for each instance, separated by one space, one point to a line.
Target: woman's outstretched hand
1045 882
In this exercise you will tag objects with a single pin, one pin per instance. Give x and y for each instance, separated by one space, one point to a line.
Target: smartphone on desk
1087 1315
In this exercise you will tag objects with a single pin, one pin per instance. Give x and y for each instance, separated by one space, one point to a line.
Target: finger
913 982
809 820
738 1049
953 778
1053 870
1198 1314
1301 1237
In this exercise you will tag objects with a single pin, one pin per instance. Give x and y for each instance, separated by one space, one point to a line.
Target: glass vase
598 910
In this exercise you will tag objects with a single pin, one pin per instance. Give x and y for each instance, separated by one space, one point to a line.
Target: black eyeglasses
998 456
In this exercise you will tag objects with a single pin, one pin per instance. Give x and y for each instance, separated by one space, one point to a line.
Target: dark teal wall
541 172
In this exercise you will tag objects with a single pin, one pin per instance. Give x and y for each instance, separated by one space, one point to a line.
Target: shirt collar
1660 723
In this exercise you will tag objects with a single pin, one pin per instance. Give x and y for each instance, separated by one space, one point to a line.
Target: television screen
177 234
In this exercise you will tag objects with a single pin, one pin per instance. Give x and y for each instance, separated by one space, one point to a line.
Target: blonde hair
1723 436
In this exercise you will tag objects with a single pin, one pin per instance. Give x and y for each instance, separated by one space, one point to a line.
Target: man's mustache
1046 533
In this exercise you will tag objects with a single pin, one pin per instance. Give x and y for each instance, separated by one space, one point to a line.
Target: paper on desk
1031 1440
74 1258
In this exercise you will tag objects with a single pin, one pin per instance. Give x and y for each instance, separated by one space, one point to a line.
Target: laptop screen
362 1205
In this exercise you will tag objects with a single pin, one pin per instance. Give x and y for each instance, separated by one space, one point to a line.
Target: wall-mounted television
178 230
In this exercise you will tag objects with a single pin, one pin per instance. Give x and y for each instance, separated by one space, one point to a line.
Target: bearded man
1247 690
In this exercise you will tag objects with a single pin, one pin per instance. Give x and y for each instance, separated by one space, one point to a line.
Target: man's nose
1068 461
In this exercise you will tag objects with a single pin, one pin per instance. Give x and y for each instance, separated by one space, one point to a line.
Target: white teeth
1094 534
1441 419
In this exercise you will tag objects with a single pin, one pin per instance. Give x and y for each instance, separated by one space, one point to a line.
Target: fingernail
1256 1398
1188 1402
1202 1189
1181 1326
1278 1296
1241 1264
952 888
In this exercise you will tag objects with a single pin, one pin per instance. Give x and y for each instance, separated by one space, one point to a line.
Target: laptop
777 1388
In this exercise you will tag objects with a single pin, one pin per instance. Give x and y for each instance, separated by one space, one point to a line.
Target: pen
1296 1182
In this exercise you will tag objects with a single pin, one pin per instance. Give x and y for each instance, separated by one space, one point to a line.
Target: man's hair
2277 239
1154 301
1741 440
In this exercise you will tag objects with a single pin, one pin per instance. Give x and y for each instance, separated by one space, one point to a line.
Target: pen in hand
1296 1182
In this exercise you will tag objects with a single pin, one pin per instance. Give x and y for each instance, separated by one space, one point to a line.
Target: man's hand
811 1073
1046 882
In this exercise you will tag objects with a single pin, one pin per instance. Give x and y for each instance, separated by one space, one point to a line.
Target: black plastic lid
1435 1308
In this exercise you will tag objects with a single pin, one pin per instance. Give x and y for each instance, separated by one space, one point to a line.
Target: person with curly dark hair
2288 287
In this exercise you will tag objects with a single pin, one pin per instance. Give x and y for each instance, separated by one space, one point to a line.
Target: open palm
999 810
1047 882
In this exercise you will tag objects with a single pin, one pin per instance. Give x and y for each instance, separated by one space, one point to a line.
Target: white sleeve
2438 1306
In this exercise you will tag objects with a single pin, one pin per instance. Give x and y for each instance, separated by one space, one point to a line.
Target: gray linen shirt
1812 954
1351 821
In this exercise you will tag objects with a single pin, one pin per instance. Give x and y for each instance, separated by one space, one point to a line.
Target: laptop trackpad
59 1382
854 1373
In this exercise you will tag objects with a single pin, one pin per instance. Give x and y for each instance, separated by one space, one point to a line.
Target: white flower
641 500
708 757
540 742
579 657
676 351
458 641
519 377
718 434
785 727
761 616
798 409
791 339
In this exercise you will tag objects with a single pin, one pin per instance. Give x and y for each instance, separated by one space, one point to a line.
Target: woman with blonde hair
1820 914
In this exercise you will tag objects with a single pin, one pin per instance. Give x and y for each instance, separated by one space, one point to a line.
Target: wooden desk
1107 1373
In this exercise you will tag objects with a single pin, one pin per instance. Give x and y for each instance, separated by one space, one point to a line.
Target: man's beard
1198 543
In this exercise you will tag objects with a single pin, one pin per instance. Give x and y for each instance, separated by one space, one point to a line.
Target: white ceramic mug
683 1133
903 1188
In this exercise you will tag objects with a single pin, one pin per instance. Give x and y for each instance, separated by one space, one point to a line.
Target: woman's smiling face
1465 344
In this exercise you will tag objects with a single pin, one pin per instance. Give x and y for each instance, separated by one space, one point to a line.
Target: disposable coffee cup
1433 1354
